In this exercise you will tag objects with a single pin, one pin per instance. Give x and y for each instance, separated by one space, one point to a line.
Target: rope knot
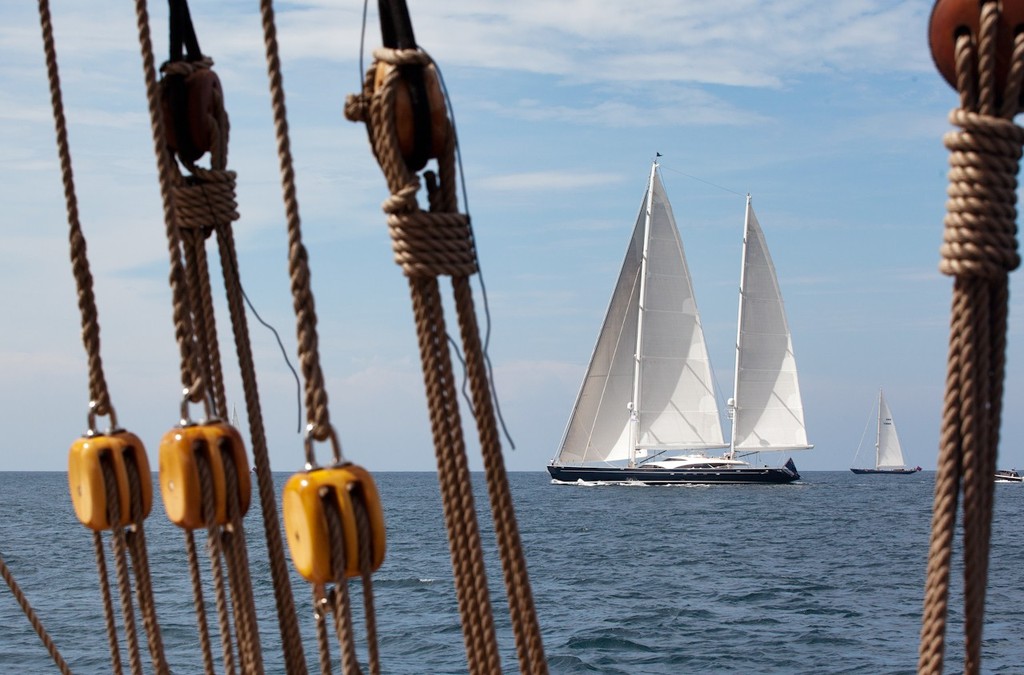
206 199
432 244
980 225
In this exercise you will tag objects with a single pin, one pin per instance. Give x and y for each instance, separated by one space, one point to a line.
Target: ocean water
822 576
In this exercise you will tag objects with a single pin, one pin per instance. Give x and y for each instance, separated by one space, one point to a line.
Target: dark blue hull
652 476
897 472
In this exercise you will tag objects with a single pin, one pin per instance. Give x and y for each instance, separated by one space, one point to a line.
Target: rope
98 392
317 414
233 536
338 598
198 604
191 375
295 660
136 539
122 572
365 564
979 249
33 618
320 610
213 548
427 245
108 604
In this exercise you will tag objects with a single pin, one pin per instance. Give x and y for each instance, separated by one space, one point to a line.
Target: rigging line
284 352
479 267
362 47
707 182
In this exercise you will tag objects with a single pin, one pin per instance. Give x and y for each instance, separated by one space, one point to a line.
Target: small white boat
1009 476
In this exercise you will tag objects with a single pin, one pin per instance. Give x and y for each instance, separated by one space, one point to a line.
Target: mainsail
649 384
888 453
767 410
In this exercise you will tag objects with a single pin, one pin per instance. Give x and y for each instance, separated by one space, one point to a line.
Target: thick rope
365 565
191 375
453 470
427 245
110 621
98 393
233 535
979 249
124 586
33 618
136 539
205 201
213 549
323 643
338 597
317 415
199 605
295 660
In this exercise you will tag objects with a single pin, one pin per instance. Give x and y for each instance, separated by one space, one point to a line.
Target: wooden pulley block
189 103
224 439
88 488
305 498
181 451
952 18
421 120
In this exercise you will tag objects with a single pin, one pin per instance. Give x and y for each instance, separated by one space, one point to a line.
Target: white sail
888 453
649 384
768 413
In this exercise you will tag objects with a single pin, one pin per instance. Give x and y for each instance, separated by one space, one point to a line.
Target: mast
733 403
634 405
878 432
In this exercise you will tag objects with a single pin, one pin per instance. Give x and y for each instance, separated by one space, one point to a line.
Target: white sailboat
647 409
888 451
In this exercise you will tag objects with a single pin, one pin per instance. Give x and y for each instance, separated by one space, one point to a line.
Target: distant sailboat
649 389
888 451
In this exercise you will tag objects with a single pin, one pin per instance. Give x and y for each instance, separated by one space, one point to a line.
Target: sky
830 115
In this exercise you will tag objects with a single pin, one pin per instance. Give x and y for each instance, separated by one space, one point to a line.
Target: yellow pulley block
182 449
224 439
88 488
307 495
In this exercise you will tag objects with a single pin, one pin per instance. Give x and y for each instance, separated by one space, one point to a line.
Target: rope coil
980 234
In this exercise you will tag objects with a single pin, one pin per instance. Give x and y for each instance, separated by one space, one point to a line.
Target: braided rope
136 539
238 568
338 597
98 392
320 611
33 619
365 564
427 245
295 660
124 585
317 414
214 550
191 374
108 604
199 605
979 249
376 108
